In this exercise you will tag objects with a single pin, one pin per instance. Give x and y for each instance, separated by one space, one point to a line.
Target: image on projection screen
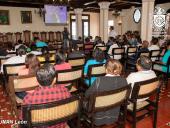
55 14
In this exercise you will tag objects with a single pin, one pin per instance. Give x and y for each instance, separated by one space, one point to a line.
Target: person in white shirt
115 45
20 58
112 32
154 44
144 72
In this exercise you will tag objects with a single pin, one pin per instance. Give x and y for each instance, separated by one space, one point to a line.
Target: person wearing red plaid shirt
47 90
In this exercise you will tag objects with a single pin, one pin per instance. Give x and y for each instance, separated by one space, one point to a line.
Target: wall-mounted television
55 14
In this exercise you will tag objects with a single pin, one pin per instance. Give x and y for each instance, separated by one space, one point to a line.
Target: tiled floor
163 113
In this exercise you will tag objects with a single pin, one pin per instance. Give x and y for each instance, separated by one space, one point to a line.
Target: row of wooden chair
61 111
76 73
44 36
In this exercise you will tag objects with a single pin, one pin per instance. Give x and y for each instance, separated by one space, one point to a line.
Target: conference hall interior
84 63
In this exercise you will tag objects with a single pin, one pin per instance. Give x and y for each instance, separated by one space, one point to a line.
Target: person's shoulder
60 87
133 74
153 73
90 61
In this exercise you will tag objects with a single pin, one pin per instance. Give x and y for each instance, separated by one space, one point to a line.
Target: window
85 26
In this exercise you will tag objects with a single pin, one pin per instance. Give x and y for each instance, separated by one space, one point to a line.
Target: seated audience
75 42
99 43
46 56
98 58
87 41
10 47
111 81
110 42
47 91
161 41
18 44
144 48
115 45
96 39
35 51
75 53
143 65
32 65
38 43
60 59
19 58
154 44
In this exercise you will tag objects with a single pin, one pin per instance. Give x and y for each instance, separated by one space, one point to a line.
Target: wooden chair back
118 51
9 36
27 36
35 34
131 50
103 48
51 36
145 89
43 36
1 37
58 36
12 69
76 62
103 101
52 113
155 54
145 54
18 36
20 84
69 76
95 71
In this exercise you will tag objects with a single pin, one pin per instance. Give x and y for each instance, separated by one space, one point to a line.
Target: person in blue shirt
98 58
39 44
166 57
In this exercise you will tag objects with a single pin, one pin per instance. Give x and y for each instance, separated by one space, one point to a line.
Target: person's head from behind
144 63
21 50
90 37
45 53
36 39
87 40
44 50
32 63
98 55
46 75
111 28
19 41
33 47
145 44
79 38
113 67
60 58
9 47
154 41
76 48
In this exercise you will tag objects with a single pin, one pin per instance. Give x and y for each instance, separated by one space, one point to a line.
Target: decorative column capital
148 0
104 5
78 11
